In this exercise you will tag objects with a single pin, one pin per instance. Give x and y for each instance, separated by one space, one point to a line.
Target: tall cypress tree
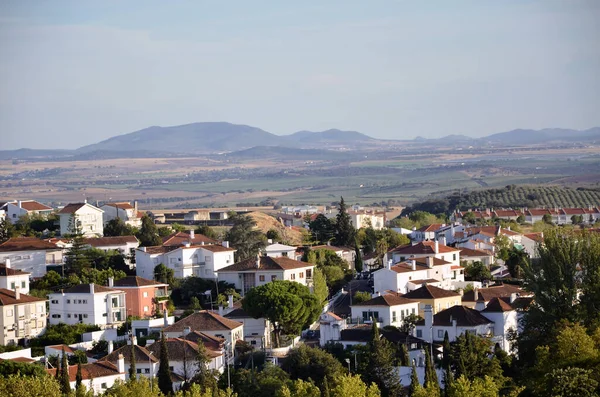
414 381
358 262
78 376
381 368
446 353
148 234
132 369
344 231
65 384
76 257
164 373
404 356
431 378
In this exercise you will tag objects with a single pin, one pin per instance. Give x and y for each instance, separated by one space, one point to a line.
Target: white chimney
437 247
257 261
225 244
110 346
413 264
428 316
186 331
475 294
389 264
135 207
20 204
166 318
134 340
91 288
230 301
121 364
429 260
7 263
186 244
461 292
192 234
143 249
221 313
513 297
443 240
17 293
111 282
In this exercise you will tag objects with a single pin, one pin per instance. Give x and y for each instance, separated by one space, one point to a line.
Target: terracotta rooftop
111 241
180 238
203 321
423 248
430 292
178 348
386 300
26 244
95 370
8 297
64 347
424 281
211 342
431 228
266 263
123 205
88 289
136 281
74 207
496 291
141 354
421 264
537 237
464 317
7 271
34 206
498 305
468 252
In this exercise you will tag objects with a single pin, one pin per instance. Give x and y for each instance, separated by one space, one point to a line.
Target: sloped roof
266 263
203 321
34 206
64 347
430 292
498 305
421 264
279 247
537 237
179 238
26 244
180 348
141 354
468 252
423 248
89 288
8 297
214 248
431 228
386 300
464 316
110 241
74 207
95 370
123 205
7 271
136 281
211 342
495 291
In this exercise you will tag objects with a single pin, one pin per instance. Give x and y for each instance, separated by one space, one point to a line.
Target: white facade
278 250
88 304
257 331
197 260
503 323
430 331
12 279
124 211
88 217
393 315
362 219
330 327
16 209
21 317
32 261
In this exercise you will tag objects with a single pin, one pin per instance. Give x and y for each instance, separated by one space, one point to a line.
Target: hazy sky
76 72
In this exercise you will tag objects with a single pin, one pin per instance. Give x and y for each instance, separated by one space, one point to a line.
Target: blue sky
76 72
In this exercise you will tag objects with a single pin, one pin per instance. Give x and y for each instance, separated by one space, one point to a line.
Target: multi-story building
365 218
13 278
144 297
22 317
437 298
185 260
88 304
86 217
125 245
264 269
390 309
31 255
128 213
16 209
96 377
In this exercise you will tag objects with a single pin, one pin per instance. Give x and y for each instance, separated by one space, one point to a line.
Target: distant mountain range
221 137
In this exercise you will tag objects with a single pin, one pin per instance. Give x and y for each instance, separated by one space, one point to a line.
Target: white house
427 232
456 320
365 218
264 269
257 331
186 260
88 218
30 254
530 242
330 326
88 304
211 324
388 309
277 250
98 376
22 317
423 249
190 237
504 317
124 211
16 209
13 278
468 256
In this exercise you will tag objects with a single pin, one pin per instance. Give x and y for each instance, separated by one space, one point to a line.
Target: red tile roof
495 291
215 248
111 241
430 292
423 248
85 289
26 244
421 264
141 354
136 281
203 321
498 305
180 238
5 272
266 263
95 370
386 300
8 297
123 205
34 206
464 316
64 347
431 228
71 208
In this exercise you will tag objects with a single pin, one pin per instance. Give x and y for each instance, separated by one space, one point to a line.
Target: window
104 315
394 318
41 308
56 316
368 315
146 370
253 342
301 275
413 311
440 334
9 313
419 333
12 285
22 284
138 370
68 316
146 308
54 302
26 256
85 316
273 277
453 257
104 386
308 273
293 276
145 294
79 301
261 277
171 369
85 301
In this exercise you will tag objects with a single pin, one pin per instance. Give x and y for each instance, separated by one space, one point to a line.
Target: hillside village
102 294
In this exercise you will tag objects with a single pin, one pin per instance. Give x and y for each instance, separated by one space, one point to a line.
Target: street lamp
348 361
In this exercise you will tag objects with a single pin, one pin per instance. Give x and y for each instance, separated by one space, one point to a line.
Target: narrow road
342 305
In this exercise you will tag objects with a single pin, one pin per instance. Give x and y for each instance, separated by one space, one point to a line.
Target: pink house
144 297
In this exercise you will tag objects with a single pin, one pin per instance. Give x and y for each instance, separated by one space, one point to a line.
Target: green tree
207 231
205 378
273 235
322 229
447 351
320 286
148 233
312 363
577 219
117 227
76 258
29 386
288 305
477 271
547 219
298 388
245 238
7 230
479 387
65 385
381 370
143 387
78 376
570 382
404 356
132 366
164 373
358 261
195 303
344 231
352 385
431 379
517 260
415 385
361 296
163 274
471 357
